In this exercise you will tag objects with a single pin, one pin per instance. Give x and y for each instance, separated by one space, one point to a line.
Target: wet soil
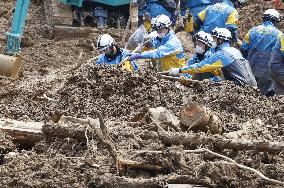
123 99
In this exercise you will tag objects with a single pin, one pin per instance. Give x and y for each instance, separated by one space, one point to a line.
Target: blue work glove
134 56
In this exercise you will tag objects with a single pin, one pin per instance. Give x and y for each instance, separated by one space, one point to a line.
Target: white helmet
162 21
105 41
204 38
222 33
271 14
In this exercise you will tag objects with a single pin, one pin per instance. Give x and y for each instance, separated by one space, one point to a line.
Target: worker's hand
134 56
185 80
239 43
174 71
152 35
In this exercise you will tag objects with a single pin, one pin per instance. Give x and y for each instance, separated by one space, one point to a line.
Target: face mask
199 50
214 44
161 35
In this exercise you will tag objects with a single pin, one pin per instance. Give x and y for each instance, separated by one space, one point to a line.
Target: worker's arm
101 59
246 44
160 52
210 64
192 60
232 24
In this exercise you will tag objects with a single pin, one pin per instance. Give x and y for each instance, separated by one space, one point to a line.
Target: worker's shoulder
221 7
265 29
232 52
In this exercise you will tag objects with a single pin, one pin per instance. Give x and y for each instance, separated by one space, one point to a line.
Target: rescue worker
233 65
112 54
220 15
166 46
204 43
194 7
257 47
277 66
158 7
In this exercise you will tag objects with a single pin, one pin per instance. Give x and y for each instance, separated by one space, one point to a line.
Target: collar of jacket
267 23
167 37
113 57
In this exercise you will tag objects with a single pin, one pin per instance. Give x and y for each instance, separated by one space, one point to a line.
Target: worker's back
195 3
258 44
155 8
277 65
237 68
261 38
219 15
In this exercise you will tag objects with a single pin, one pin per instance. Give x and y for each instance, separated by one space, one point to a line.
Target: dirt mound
123 99
115 93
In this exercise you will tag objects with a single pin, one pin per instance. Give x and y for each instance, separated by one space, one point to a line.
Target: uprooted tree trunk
191 140
196 117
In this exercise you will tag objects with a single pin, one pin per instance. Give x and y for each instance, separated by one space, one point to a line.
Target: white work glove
174 71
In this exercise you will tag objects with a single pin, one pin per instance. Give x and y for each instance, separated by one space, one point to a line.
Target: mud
123 100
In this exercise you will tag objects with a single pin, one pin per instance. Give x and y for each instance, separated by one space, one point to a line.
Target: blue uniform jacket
122 53
277 60
230 60
257 47
168 49
219 15
154 9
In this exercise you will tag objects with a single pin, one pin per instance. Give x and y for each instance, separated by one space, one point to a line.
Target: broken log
196 117
70 127
22 131
28 132
191 140
123 165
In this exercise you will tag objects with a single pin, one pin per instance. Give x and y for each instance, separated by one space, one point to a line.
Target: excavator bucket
10 66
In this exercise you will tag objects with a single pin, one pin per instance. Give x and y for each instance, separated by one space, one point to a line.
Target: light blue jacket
219 15
277 60
122 53
196 59
154 9
257 47
230 60
168 49
196 6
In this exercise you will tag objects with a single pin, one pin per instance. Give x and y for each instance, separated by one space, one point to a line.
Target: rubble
47 90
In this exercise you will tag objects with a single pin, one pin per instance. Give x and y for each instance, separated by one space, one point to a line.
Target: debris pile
150 152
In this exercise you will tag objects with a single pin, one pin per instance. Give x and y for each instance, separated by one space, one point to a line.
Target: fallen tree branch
244 167
187 139
204 150
121 164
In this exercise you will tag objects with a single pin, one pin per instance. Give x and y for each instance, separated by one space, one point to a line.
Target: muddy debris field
100 126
